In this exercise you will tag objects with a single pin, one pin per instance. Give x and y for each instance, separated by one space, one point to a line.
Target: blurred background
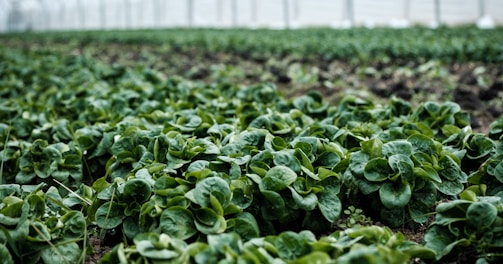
44 15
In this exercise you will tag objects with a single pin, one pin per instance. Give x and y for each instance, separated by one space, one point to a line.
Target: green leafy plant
353 217
469 228
373 244
405 175
38 220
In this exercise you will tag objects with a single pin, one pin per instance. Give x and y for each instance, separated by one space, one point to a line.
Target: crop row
187 171
360 44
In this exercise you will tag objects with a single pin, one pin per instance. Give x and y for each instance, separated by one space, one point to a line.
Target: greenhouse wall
42 15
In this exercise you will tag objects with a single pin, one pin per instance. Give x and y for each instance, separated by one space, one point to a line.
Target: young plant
468 229
353 217
404 176
38 220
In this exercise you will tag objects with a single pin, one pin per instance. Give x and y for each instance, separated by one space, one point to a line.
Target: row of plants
358 44
200 172
475 85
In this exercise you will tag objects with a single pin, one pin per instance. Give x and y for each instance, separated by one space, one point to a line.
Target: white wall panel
119 14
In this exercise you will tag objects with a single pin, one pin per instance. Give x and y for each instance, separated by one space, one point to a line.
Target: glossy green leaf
357 162
402 164
215 186
245 225
481 214
286 158
278 178
377 170
442 241
395 195
330 205
273 206
291 245
479 146
74 224
305 202
64 253
449 187
209 222
498 171
5 255
373 147
177 222
158 247
428 173
397 147
138 190
422 143
109 215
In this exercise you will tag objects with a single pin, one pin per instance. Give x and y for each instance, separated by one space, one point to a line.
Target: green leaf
286 158
498 171
330 205
74 224
449 187
242 195
451 170
5 255
209 147
109 215
215 186
452 211
327 159
209 222
278 178
64 253
377 170
305 202
123 147
357 162
397 147
428 173
442 241
422 202
422 143
158 247
373 147
278 143
136 190
318 256
403 165
291 246
273 206
131 226
481 214
496 129
225 243
245 225
37 205
479 146
39 232
395 195
177 222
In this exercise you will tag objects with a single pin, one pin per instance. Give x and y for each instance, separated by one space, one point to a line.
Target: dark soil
100 248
